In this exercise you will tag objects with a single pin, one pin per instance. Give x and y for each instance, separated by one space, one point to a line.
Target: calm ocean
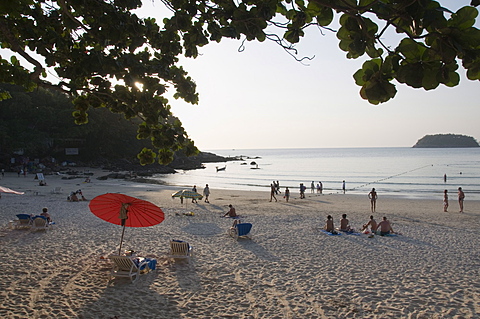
407 172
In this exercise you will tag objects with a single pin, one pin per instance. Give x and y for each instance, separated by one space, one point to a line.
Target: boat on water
221 168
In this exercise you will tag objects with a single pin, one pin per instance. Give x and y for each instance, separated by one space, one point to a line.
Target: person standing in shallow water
343 186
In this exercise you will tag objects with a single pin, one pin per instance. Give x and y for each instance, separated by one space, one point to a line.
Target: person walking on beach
194 189
277 187
343 186
272 192
373 199
321 187
287 194
206 193
445 200
461 197
302 190
385 227
312 187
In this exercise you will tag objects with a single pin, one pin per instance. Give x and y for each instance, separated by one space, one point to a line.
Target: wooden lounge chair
124 266
39 223
180 250
240 230
57 190
24 221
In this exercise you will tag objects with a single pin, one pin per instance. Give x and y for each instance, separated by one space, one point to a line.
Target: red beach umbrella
126 211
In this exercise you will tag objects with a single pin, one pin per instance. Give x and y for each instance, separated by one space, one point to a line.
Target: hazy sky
263 98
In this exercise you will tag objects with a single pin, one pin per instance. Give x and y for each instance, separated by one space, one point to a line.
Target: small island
446 141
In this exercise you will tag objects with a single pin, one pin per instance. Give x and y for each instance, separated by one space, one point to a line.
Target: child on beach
287 194
46 214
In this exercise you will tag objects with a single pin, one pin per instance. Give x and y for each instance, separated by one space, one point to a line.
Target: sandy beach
288 269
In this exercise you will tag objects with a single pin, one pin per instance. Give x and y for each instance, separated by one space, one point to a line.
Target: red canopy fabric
139 212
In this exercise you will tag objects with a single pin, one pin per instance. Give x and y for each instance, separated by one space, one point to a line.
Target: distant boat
221 168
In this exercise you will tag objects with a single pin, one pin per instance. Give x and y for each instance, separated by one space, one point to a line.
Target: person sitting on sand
79 192
345 224
385 227
372 223
329 225
231 212
73 197
46 214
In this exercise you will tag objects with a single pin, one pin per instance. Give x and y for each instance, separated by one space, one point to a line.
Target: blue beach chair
240 229
24 221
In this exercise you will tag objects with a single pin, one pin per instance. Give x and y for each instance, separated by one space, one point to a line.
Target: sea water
406 172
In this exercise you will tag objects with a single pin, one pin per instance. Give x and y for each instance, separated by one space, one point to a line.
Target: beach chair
39 223
57 190
180 250
124 266
24 221
240 230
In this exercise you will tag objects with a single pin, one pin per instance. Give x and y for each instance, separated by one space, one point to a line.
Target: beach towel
329 233
351 233
236 217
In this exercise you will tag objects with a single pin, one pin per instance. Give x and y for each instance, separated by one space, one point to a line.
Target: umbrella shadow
202 229
124 299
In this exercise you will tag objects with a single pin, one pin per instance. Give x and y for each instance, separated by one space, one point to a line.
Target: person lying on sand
385 227
231 212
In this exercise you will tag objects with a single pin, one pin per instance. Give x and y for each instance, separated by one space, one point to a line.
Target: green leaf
411 50
464 18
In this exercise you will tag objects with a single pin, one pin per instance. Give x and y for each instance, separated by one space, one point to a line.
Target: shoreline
288 269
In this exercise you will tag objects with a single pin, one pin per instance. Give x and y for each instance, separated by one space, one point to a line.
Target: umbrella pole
121 240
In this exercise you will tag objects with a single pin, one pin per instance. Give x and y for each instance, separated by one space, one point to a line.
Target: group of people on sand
76 196
461 198
383 228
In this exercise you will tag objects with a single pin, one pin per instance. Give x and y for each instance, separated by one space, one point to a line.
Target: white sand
289 269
